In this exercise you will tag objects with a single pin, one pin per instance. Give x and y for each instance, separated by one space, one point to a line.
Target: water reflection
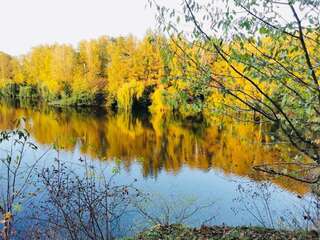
158 143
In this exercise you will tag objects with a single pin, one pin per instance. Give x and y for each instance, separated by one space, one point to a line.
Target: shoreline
177 231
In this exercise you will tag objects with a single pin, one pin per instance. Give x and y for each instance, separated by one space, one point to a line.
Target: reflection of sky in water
170 161
204 186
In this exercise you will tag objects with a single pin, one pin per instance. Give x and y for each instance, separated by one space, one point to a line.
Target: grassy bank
172 232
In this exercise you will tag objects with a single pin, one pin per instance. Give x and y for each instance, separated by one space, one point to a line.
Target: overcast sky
27 23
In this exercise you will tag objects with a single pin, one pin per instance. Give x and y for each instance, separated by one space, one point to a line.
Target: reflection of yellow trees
161 144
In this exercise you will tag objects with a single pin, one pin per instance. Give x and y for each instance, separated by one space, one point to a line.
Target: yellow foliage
5 69
128 92
123 68
163 143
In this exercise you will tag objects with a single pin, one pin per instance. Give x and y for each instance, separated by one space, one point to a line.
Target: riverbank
221 232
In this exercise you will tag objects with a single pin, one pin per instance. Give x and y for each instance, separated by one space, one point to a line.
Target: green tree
271 46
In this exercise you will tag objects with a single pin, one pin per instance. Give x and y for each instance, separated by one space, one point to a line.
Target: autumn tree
6 69
92 63
62 67
126 80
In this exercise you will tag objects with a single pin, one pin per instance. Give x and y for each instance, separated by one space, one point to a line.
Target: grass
179 232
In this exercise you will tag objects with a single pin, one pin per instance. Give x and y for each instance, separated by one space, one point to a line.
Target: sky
27 23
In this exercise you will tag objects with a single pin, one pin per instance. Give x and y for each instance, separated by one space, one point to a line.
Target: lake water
175 160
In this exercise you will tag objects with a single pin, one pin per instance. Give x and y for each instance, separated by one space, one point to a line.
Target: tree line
115 70
155 73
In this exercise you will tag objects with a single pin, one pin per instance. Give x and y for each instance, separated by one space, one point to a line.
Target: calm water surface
173 160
